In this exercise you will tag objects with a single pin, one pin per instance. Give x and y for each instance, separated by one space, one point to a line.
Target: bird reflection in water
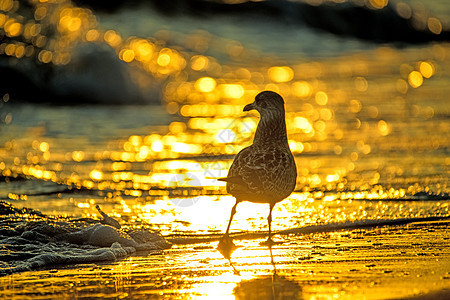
226 247
268 286
264 172
271 286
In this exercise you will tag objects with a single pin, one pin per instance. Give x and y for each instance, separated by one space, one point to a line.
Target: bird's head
267 103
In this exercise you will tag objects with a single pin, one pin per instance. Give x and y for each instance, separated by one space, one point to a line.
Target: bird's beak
249 107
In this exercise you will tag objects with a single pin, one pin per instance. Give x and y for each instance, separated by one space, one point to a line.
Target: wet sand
383 263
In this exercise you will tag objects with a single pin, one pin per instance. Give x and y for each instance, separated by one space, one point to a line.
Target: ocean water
139 111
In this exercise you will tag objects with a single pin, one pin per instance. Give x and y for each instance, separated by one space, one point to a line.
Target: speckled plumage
264 172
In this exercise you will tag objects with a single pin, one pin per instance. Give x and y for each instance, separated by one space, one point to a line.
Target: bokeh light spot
112 38
13 28
321 98
383 127
163 59
45 56
434 25
96 175
234 91
92 35
426 69
301 89
355 106
415 79
205 84
127 55
44 146
199 62
378 4
280 74
157 146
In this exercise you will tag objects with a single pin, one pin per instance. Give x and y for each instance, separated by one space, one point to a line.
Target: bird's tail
234 179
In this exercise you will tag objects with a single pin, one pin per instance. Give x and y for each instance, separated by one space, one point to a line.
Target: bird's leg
233 211
226 245
269 241
269 220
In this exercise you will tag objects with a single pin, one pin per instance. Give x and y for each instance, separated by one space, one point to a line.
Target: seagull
265 171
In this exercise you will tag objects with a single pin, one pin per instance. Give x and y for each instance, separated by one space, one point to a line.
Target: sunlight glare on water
351 141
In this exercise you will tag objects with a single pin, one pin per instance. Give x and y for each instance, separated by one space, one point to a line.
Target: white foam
37 245
69 255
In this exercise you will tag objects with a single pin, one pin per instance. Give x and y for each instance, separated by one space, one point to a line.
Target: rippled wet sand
383 263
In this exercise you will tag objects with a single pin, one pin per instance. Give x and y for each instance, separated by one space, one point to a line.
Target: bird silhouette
264 172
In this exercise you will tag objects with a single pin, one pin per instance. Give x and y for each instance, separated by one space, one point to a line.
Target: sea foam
30 240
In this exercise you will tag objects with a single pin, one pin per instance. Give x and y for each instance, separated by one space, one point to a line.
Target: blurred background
145 52
132 102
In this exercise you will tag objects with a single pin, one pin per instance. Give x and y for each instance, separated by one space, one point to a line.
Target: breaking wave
96 74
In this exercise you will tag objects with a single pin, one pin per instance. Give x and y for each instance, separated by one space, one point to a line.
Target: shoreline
397 259
401 262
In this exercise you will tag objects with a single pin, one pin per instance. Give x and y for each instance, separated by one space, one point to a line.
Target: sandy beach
401 262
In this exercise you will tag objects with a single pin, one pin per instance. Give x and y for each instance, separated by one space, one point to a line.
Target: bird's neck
271 129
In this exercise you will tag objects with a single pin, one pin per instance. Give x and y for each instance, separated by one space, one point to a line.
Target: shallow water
364 146
370 264
368 125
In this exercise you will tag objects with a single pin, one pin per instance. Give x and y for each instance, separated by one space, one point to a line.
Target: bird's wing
254 170
234 176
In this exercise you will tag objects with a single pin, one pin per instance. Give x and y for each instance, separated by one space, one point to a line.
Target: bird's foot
269 243
226 246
